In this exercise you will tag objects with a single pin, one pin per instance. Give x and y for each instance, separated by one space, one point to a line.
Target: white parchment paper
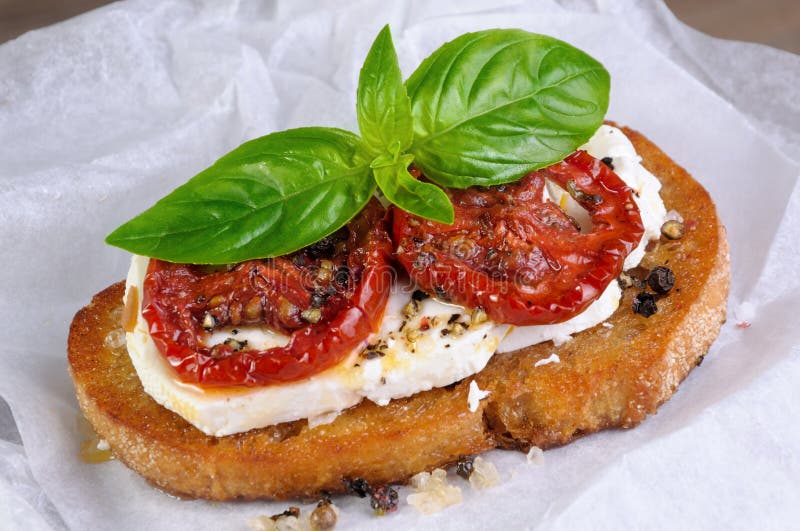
103 114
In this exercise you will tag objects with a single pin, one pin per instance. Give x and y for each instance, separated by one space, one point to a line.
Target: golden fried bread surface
607 377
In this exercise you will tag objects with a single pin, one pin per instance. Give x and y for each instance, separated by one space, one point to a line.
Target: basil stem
384 119
423 199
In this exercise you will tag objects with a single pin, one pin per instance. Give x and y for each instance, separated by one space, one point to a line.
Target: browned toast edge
595 386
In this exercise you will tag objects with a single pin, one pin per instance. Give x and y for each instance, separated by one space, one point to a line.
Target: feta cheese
553 358
475 396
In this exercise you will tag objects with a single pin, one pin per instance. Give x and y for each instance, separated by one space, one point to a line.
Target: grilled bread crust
608 377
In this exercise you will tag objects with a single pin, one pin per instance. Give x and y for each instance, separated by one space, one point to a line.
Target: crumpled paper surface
103 114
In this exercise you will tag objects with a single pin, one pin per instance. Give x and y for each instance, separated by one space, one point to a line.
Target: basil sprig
420 198
384 119
483 109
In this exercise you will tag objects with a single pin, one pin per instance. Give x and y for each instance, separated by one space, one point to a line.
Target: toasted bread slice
607 377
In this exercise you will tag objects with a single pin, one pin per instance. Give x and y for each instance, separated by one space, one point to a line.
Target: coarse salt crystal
535 456
289 523
283 522
115 339
484 474
262 523
673 215
432 493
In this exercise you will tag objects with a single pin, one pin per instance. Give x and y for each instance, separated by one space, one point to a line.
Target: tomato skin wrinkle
518 256
341 280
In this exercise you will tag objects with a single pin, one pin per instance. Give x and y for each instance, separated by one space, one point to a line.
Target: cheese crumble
475 396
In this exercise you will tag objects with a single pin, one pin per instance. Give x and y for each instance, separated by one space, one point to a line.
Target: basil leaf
423 199
490 106
268 197
382 105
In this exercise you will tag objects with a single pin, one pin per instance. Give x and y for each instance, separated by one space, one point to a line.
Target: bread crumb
432 493
484 474
475 396
535 456
552 359
606 324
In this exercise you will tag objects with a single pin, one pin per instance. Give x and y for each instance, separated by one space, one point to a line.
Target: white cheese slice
611 142
413 360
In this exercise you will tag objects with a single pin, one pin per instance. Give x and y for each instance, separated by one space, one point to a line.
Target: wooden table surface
773 22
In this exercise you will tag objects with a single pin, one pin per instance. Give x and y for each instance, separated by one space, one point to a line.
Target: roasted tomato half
327 298
517 254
